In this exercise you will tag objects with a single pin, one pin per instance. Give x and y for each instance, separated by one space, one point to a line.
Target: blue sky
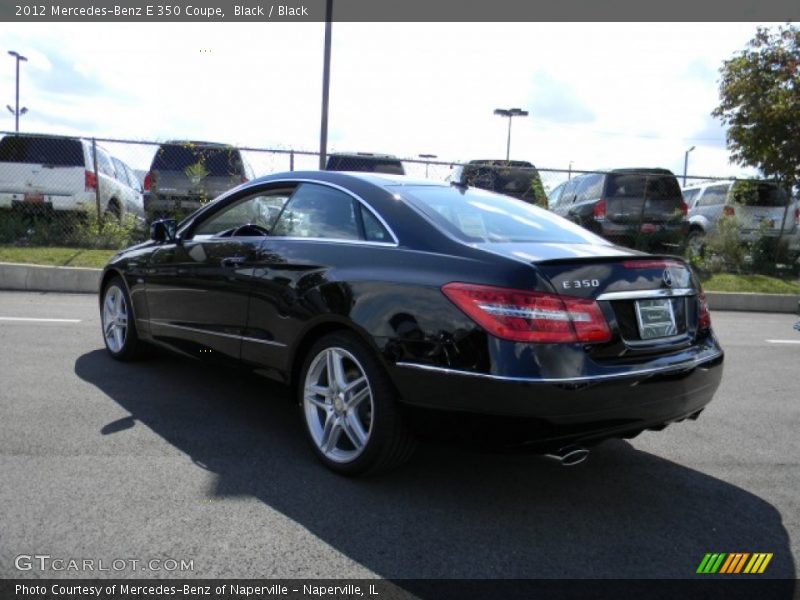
600 95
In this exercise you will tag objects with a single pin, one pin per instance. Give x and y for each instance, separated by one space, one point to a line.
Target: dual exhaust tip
569 456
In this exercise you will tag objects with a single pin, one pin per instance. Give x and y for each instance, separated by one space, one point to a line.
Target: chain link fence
104 192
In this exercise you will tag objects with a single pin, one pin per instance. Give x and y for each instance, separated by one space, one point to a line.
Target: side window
714 195
373 230
317 211
261 210
689 196
589 188
568 194
552 199
104 164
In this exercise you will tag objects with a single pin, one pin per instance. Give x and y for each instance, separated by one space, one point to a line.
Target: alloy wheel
115 319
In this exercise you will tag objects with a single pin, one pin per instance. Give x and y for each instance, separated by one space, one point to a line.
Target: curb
39 278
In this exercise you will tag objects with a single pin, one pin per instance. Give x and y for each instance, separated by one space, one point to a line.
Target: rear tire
350 410
696 244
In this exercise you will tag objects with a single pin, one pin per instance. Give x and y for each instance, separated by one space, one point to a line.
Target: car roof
500 162
362 155
344 177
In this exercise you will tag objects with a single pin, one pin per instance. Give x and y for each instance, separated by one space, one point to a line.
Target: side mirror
163 230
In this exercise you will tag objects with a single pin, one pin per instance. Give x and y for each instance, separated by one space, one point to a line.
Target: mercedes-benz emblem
667 277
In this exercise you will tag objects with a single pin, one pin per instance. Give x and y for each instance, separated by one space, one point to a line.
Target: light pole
17 112
686 164
426 162
326 84
510 113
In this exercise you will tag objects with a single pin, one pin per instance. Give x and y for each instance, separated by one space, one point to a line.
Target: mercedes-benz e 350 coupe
376 296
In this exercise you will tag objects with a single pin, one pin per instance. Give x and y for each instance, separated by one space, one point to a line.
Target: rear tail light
148 181
703 314
599 210
684 209
729 211
652 264
522 316
797 217
89 181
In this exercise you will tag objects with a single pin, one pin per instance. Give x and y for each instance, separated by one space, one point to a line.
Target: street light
686 164
510 113
426 162
17 112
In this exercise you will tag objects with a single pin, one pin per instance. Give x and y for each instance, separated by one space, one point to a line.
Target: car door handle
233 261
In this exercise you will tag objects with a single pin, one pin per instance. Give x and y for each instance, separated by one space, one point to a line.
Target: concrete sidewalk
38 278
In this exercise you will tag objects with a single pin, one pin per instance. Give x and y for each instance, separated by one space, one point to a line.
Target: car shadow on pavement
451 512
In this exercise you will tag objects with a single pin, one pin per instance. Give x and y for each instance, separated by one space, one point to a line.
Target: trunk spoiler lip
633 257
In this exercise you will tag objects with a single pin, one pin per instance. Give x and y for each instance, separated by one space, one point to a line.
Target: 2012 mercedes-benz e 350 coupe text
377 296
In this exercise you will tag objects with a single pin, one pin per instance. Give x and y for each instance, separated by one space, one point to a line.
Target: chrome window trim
690 364
644 294
217 333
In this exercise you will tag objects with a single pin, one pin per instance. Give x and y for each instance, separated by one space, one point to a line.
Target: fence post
97 186
291 160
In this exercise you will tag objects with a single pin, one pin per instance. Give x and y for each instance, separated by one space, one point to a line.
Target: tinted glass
104 164
589 187
219 162
634 185
47 151
369 164
714 195
262 210
473 215
317 211
752 193
689 197
373 230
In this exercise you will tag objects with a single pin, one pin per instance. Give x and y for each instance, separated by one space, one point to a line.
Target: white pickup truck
55 173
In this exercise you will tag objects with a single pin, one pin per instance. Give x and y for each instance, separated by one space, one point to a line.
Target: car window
217 161
689 196
104 164
555 194
119 171
714 195
372 164
755 193
635 185
59 152
473 215
589 188
568 194
134 180
373 230
260 209
318 211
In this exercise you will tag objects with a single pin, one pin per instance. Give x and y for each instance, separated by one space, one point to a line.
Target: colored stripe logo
734 563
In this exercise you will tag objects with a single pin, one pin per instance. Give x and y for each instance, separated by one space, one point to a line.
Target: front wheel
119 328
352 417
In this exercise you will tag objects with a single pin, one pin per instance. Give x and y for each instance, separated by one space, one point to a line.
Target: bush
724 250
79 230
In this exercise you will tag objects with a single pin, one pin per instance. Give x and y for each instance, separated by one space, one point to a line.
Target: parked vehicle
365 162
516 178
185 175
132 192
373 296
623 204
48 173
760 207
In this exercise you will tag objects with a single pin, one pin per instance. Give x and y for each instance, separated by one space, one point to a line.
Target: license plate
34 198
656 318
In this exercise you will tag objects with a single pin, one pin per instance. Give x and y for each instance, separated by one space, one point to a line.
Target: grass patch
56 256
762 284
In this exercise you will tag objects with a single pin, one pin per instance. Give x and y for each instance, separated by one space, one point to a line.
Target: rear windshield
759 194
369 164
634 185
220 162
476 216
46 151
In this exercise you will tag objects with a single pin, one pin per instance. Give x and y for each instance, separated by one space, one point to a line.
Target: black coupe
376 296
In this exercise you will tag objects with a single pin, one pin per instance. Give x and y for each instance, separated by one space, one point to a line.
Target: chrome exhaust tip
569 456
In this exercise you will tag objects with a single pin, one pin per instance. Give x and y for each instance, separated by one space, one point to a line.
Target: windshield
476 216
634 185
59 152
218 162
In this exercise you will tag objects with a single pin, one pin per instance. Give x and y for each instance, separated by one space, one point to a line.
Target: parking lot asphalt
170 459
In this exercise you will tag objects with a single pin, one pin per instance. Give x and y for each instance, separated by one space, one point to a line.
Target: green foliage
724 250
760 103
77 230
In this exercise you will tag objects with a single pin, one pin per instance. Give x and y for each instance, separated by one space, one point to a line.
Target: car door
198 287
711 204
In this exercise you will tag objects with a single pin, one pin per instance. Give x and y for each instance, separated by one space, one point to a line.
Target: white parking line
35 320
783 341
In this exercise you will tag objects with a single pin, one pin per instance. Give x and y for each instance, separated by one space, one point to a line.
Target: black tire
113 211
335 408
695 244
122 341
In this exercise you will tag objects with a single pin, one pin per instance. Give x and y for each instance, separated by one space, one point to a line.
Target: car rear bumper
170 203
635 398
61 202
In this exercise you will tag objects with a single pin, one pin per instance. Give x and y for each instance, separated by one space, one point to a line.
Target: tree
760 103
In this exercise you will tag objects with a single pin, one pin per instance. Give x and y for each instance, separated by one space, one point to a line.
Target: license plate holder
656 318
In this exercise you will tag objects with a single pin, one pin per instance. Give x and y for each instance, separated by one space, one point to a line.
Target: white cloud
600 94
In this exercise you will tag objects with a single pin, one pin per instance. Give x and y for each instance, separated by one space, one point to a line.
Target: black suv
516 178
184 175
626 206
365 161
